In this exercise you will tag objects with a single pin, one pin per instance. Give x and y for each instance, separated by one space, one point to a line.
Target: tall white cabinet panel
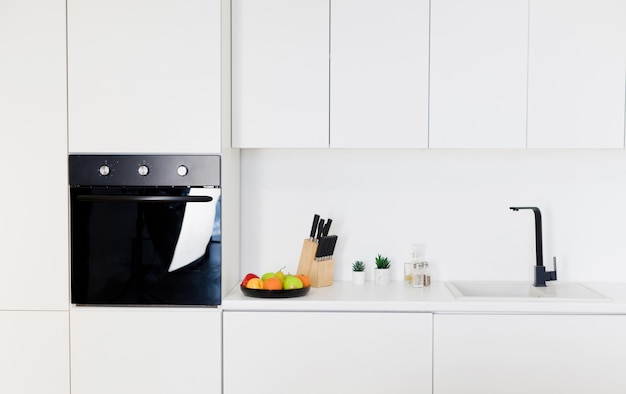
280 73
577 74
157 351
478 73
529 354
379 74
144 76
35 352
327 352
33 156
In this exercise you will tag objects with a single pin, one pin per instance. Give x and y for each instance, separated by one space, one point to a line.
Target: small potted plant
382 275
358 272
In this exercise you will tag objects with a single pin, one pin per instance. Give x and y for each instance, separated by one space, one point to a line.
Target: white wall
455 201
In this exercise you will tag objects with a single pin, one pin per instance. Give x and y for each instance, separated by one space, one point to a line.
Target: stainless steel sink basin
523 291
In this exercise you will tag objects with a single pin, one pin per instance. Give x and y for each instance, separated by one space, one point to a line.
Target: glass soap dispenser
421 270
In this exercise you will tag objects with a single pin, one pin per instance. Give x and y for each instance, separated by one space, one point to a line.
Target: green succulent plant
358 266
382 262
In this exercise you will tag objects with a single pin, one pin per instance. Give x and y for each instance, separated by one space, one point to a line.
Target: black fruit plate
275 293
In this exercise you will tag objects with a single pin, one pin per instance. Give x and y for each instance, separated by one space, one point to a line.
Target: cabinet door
529 354
310 352
577 63
35 352
133 351
144 75
33 156
478 73
379 74
280 73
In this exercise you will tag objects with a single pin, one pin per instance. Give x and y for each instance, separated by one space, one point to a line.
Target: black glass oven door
146 246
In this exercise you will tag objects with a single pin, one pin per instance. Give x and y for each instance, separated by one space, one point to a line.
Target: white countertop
401 297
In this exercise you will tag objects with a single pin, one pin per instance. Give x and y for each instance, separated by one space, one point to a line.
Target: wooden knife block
321 272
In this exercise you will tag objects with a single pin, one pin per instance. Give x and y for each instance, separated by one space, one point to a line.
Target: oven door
145 245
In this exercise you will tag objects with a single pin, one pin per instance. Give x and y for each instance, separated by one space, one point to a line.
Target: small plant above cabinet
358 266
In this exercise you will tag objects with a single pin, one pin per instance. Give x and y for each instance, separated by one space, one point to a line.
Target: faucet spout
541 275
538 233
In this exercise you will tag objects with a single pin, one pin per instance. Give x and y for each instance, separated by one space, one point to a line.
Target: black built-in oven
145 229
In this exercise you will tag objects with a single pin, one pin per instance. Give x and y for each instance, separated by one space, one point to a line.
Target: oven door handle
123 198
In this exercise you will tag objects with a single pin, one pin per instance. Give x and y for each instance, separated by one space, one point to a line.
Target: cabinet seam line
527 68
430 8
329 65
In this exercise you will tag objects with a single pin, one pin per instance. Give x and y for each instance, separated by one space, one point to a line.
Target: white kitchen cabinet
577 63
327 352
379 74
33 156
157 351
35 352
478 73
529 354
144 76
280 73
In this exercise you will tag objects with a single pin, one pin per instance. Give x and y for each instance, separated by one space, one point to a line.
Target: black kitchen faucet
541 275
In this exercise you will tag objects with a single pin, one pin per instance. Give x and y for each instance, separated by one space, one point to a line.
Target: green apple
267 275
291 282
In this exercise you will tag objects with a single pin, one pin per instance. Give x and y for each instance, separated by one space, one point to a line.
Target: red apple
245 280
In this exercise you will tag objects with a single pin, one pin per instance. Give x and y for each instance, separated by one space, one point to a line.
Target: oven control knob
182 170
104 170
143 170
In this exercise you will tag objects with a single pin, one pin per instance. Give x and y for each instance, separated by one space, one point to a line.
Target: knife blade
316 219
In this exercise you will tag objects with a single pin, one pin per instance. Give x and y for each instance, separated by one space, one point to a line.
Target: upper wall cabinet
280 73
577 69
379 73
144 76
478 73
33 157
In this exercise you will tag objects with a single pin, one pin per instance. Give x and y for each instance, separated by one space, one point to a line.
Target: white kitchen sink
523 291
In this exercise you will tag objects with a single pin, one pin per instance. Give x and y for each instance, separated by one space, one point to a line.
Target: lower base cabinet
131 351
34 352
327 352
529 354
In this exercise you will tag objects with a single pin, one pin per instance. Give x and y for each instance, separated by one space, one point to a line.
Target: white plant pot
382 276
358 277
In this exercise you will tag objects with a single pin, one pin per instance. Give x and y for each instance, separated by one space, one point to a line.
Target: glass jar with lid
421 275
421 270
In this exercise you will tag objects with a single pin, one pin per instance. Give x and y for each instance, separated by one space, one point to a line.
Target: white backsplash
454 201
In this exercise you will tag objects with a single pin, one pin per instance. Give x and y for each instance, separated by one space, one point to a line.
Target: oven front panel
145 246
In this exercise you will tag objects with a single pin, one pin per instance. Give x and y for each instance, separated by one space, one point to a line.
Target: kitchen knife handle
327 227
316 219
320 252
320 229
331 246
